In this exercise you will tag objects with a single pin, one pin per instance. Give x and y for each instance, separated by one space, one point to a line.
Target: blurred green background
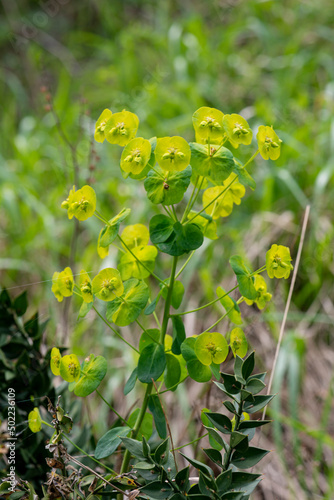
272 62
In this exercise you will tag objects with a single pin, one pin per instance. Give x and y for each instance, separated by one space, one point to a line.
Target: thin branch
285 316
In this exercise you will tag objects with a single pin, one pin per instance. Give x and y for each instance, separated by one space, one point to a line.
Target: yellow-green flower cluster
269 143
172 153
261 288
278 262
237 130
62 284
108 285
80 204
117 128
208 125
230 194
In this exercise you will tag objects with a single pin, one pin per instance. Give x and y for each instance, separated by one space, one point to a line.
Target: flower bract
135 235
108 285
172 153
55 361
222 206
237 130
82 203
261 288
101 125
85 284
70 368
208 125
269 143
238 342
121 128
211 347
62 284
278 262
136 155
34 420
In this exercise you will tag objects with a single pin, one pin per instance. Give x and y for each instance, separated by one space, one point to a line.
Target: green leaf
161 228
183 239
131 382
250 424
157 490
258 403
177 293
249 458
248 365
233 495
245 482
152 335
182 479
221 422
110 441
244 177
125 309
161 453
223 481
188 349
21 303
214 455
215 439
215 370
93 371
173 371
135 447
110 231
155 408
244 278
217 167
179 334
230 306
231 385
197 371
230 407
151 307
84 309
152 363
238 364
199 465
167 188
236 439
146 427
255 386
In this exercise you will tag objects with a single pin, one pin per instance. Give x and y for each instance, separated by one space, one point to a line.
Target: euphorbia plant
177 177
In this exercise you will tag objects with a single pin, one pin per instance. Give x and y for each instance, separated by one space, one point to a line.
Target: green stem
212 201
187 209
87 455
140 418
236 428
251 158
168 302
115 331
185 264
209 303
175 385
191 442
138 260
112 409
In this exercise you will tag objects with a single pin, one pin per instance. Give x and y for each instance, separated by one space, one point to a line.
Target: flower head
80 204
261 288
278 262
136 155
85 284
121 128
269 143
101 125
55 361
70 368
172 153
237 130
62 284
135 235
108 285
208 125
211 347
